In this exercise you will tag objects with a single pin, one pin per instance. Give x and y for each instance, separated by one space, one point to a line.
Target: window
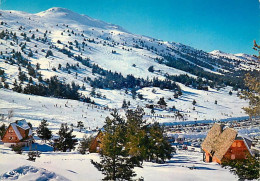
10 130
239 144
10 138
233 156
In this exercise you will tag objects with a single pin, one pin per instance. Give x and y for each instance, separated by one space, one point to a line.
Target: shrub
17 149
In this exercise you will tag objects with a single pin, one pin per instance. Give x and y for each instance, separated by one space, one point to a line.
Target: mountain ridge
109 65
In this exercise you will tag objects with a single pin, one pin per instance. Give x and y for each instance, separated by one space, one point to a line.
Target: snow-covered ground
184 166
56 111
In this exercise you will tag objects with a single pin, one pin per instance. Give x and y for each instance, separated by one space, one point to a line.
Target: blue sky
227 25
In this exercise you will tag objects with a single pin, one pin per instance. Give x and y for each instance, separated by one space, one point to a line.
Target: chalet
95 144
18 132
225 143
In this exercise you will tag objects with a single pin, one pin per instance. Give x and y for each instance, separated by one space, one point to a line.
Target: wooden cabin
18 132
225 143
96 143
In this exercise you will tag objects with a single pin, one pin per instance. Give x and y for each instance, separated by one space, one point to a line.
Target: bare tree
10 114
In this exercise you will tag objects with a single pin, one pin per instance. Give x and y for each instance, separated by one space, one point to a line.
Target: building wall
10 136
238 150
95 145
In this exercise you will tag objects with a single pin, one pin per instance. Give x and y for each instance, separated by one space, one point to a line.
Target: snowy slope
185 166
111 47
100 39
246 61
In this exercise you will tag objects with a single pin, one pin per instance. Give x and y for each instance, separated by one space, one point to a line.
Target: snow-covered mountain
247 60
55 64
89 52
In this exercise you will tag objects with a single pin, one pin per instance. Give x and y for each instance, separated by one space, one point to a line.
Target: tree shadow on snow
39 147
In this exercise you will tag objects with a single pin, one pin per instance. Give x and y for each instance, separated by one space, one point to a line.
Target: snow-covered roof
244 136
23 124
17 132
30 132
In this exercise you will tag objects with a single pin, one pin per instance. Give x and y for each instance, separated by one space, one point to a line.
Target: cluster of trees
114 80
246 169
197 83
218 80
51 87
127 143
66 140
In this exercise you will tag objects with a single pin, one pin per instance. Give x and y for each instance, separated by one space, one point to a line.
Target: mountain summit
57 15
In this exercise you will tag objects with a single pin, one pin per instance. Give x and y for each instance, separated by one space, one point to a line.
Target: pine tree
43 131
151 69
48 53
152 111
124 105
162 101
116 163
66 140
253 92
80 125
136 135
246 169
194 102
2 130
37 66
159 148
85 144
93 92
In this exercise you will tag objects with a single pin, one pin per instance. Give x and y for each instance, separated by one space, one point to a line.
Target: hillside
107 64
65 67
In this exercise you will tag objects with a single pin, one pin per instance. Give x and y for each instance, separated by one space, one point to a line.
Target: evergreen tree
66 140
162 101
48 53
159 148
6 85
136 135
43 131
152 111
85 144
151 69
30 54
93 92
124 105
116 163
133 91
38 66
2 130
253 92
246 169
194 102
80 125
